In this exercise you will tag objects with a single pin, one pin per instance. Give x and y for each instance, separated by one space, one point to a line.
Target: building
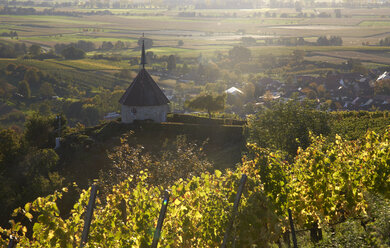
144 100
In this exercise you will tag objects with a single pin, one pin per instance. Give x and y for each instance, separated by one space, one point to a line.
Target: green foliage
174 161
353 125
73 53
148 42
46 90
239 54
368 232
199 210
327 181
223 119
9 147
330 185
171 63
382 87
40 161
385 42
39 131
24 89
35 50
90 114
208 102
332 41
286 126
31 76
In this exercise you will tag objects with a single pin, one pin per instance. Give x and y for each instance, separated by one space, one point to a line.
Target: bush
73 53
286 126
183 118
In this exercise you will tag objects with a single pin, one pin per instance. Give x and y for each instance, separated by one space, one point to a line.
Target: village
334 91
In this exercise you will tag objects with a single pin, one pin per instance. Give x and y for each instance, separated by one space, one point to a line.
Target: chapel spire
143 57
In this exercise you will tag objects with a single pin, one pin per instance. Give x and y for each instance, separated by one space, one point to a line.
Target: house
144 100
234 91
385 75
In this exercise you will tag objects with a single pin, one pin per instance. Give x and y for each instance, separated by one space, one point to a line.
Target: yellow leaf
27 207
29 216
50 235
177 202
198 215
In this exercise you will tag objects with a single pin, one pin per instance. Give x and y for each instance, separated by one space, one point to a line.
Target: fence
227 237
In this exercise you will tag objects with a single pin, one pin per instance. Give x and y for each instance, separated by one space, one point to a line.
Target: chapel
144 100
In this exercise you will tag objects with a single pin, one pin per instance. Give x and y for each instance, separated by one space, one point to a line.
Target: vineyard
329 183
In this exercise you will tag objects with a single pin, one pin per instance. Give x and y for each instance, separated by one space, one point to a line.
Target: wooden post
160 221
59 125
294 237
12 242
88 215
235 209
123 210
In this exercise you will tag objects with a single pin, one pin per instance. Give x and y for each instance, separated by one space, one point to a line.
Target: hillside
85 152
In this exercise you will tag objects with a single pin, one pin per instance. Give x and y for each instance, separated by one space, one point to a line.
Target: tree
148 42
46 90
24 89
107 45
171 63
119 45
5 92
335 41
385 42
9 146
180 43
208 102
286 126
73 53
32 77
11 68
7 51
35 50
39 131
208 73
86 46
41 161
91 115
382 87
150 57
239 54
322 41
337 13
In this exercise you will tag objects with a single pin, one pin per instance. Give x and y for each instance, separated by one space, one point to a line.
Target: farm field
206 32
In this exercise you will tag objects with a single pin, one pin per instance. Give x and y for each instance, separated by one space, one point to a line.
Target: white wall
155 113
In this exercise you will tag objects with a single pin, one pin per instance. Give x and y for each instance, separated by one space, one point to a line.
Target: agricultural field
206 32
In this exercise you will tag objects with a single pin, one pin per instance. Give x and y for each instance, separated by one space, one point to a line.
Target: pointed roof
143 57
143 91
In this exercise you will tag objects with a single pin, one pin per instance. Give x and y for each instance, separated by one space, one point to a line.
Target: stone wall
155 113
